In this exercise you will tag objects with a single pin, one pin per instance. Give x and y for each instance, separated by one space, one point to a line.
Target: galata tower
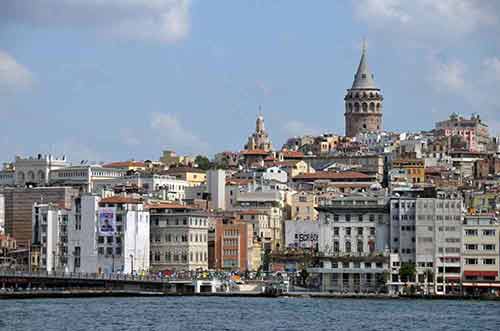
363 102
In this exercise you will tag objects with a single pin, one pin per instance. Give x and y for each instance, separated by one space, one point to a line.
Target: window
359 245
336 246
336 231
489 232
347 231
360 231
109 240
348 246
360 218
100 240
347 218
471 247
109 250
489 261
372 218
470 261
100 251
335 218
372 231
489 247
118 251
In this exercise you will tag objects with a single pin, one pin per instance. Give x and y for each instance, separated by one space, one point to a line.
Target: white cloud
448 76
175 135
160 20
13 76
424 20
381 9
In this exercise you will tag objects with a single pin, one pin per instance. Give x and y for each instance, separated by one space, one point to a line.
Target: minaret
363 101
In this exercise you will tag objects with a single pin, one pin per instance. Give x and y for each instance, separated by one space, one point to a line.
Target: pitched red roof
254 152
332 175
292 154
168 205
118 199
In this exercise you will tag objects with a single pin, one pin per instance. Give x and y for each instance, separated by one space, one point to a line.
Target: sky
104 80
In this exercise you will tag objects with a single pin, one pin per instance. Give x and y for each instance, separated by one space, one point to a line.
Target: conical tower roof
364 77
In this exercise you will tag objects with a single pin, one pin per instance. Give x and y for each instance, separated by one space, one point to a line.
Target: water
215 313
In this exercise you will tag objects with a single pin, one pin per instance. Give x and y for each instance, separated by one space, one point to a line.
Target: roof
254 152
119 199
125 164
333 175
168 205
363 78
292 154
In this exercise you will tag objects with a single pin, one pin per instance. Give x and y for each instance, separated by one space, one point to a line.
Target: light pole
131 263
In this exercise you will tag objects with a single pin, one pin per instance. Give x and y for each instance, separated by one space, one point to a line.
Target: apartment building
480 253
179 237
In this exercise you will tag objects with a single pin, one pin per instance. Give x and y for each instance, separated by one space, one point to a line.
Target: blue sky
119 79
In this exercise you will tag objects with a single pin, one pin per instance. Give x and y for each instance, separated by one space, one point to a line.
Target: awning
474 273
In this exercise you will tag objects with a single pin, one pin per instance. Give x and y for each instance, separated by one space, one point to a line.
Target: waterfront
203 313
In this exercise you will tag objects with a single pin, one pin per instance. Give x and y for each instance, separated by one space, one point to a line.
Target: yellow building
413 169
194 176
302 206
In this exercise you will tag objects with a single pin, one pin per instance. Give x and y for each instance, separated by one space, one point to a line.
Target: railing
112 276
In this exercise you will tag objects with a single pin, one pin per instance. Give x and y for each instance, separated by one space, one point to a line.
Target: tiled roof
118 199
293 154
254 152
251 212
168 205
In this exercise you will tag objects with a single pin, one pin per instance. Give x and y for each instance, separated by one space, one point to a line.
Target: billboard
107 221
301 234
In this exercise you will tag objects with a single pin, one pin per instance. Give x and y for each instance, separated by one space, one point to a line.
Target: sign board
106 221
301 234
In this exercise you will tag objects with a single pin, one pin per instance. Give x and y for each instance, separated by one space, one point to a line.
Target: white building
108 235
216 182
160 186
179 237
84 176
2 214
36 170
50 234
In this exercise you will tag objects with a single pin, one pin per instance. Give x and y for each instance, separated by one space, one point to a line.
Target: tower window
363 76
364 126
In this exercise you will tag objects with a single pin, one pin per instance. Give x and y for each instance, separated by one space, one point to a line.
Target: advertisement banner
301 234
107 221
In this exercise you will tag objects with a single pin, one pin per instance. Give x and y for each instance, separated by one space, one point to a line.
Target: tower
260 138
363 102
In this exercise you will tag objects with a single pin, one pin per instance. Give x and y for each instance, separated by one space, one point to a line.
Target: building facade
179 238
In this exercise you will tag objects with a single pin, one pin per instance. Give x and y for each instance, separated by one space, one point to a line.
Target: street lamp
131 263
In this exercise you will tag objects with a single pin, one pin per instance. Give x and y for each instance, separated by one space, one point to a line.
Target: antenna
364 46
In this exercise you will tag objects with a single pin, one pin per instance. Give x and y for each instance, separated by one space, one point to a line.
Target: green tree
304 275
203 162
407 272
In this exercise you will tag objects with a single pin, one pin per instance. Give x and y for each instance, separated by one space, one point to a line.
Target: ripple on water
215 313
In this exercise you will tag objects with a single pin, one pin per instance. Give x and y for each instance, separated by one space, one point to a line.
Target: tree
304 275
203 162
407 272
